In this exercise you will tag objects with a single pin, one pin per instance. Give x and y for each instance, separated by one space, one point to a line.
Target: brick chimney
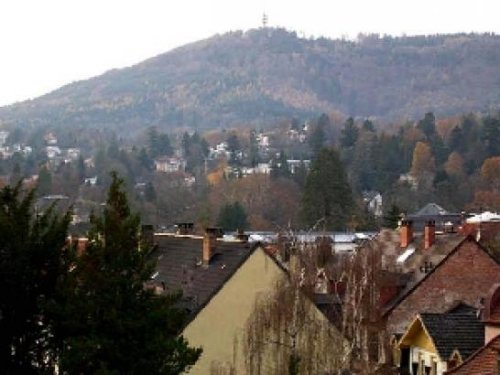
429 234
406 233
209 244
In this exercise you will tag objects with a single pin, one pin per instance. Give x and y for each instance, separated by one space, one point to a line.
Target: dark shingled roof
180 268
431 209
463 332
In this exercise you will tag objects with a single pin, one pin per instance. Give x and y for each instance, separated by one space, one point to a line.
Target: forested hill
261 75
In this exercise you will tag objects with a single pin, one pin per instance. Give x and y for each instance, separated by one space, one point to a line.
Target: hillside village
294 222
425 300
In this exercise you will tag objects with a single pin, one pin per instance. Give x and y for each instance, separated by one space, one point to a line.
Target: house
73 154
221 282
89 163
90 181
484 226
461 275
442 218
52 151
434 342
409 180
220 150
486 360
3 137
294 165
50 139
170 164
373 202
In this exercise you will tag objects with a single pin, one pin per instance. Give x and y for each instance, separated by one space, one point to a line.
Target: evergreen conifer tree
32 261
113 324
327 194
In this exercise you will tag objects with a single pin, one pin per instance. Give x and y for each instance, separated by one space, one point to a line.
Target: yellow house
435 343
222 283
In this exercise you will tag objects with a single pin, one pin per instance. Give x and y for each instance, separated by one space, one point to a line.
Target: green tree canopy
327 194
111 323
44 184
159 143
32 261
232 216
349 134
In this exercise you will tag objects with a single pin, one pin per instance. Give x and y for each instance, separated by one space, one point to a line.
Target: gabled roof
431 209
179 267
411 288
454 331
483 361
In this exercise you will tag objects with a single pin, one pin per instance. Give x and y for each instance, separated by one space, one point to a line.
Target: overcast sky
47 43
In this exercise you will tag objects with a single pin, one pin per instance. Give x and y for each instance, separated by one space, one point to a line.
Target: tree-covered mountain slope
258 76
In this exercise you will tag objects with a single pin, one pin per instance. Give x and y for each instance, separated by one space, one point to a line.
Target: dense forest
261 76
321 171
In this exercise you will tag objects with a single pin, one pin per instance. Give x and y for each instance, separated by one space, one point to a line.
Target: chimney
406 233
429 234
241 235
209 244
184 228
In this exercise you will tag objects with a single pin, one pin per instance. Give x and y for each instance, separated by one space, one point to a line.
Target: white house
170 164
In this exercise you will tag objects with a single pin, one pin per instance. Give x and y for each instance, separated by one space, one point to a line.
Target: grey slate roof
461 331
431 209
179 268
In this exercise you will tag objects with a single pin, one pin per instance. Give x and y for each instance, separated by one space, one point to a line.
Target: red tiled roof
483 362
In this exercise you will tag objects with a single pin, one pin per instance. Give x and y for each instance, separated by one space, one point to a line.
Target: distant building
170 164
373 202
408 179
294 165
436 213
90 181
3 137
50 139
52 151
73 153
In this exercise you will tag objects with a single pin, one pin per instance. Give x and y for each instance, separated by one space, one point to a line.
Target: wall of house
490 332
465 276
422 350
220 327
427 359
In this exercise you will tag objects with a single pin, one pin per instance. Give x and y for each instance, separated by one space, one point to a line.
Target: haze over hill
262 75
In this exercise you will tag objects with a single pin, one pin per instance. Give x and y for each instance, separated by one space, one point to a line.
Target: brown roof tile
483 362
179 268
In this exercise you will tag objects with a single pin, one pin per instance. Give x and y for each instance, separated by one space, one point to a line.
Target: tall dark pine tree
113 324
317 138
428 125
327 198
491 135
31 262
350 133
232 216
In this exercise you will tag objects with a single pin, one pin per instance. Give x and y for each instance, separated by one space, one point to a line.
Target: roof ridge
409 291
475 354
